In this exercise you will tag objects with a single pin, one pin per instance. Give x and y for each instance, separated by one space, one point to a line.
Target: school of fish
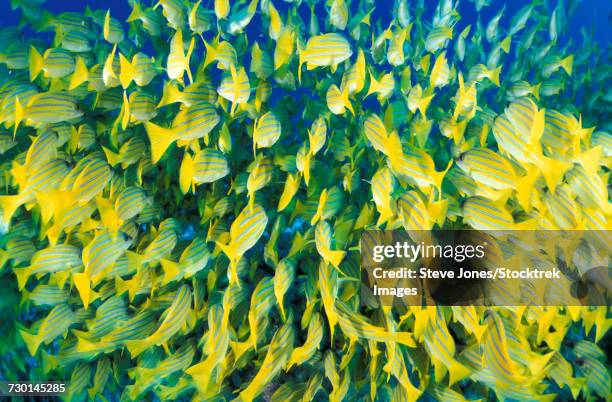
182 195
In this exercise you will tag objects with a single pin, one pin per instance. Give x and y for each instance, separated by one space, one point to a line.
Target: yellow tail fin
22 274
136 347
80 75
125 111
494 75
567 64
35 62
187 58
112 157
171 94
136 13
590 160
301 54
538 363
82 282
171 270
346 101
160 139
8 206
126 73
335 257
19 115
211 54
552 170
536 90
374 85
31 341
186 174
505 45
457 372
423 104
19 174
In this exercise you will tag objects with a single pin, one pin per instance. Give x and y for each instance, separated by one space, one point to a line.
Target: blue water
592 14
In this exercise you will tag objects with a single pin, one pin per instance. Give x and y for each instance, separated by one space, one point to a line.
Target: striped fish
260 176
488 168
235 87
143 70
324 50
45 108
55 324
46 295
267 131
189 124
277 356
130 202
383 185
52 259
194 258
283 279
56 63
175 318
245 231
142 106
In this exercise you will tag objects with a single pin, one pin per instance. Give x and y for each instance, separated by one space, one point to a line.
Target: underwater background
182 194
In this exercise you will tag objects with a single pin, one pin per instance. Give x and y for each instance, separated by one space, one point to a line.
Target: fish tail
3 258
125 111
590 160
346 101
505 45
80 75
405 338
301 55
22 274
457 372
112 157
575 385
335 257
423 104
536 90
35 62
524 185
228 250
8 205
19 173
188 57
552 170
439 176
49 362
201 373
211 54
136 12
494 75
437 211
186 174
567 64
126 71
31 341
160 138
46 205
82 281
171 94
307 160
137 346
538 363
374 85
171 270
19 114
479 332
